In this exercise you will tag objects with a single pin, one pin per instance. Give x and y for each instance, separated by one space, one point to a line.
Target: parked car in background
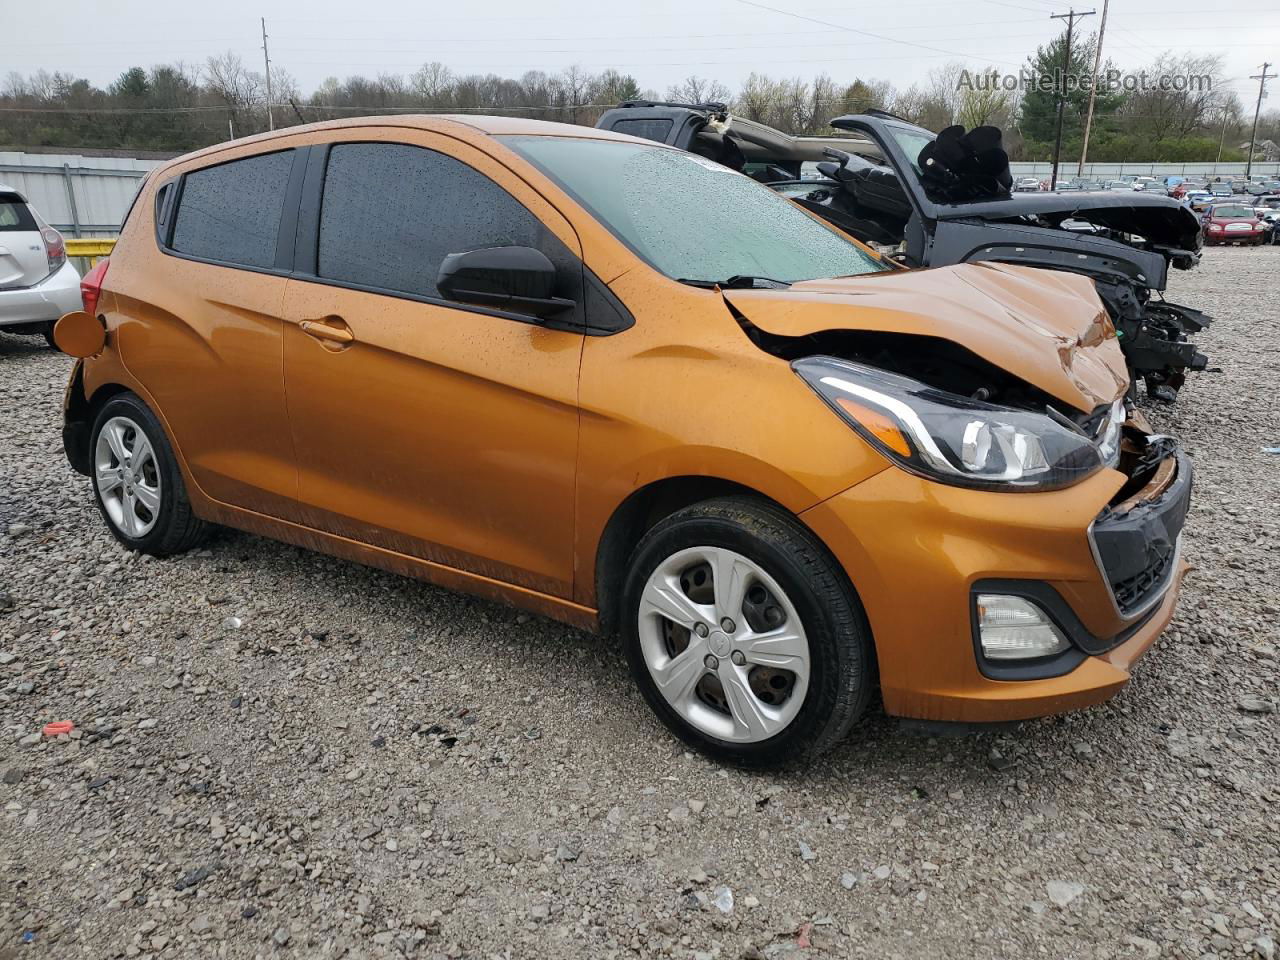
1271 226
1197 199
502 355
37 283
1156 188
1027 185
1232 223
1221 189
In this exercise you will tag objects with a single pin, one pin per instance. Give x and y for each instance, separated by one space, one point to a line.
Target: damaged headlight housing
950 438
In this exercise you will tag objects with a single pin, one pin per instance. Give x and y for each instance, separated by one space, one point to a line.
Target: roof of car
460 124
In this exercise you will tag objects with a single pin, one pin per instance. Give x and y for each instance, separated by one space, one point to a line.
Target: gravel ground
278 754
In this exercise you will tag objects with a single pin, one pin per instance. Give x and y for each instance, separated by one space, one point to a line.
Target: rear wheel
744 635
137 483
48 337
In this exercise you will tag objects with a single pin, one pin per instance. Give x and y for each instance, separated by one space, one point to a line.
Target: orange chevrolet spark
619 385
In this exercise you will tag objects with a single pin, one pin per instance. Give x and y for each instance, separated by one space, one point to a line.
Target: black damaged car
947 198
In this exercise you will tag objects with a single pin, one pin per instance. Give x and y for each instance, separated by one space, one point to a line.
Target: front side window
692 218
231 212
392 212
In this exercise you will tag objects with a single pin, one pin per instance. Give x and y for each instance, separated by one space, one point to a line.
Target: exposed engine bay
927 200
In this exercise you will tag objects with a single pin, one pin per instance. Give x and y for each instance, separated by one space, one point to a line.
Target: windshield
692 218
1232 212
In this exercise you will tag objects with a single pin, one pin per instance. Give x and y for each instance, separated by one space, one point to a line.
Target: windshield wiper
737 282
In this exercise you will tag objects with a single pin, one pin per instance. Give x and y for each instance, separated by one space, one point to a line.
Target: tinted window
654 129
14 214
231 212
692 218
391 212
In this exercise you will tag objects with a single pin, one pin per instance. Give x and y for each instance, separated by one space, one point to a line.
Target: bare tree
698 90
433 83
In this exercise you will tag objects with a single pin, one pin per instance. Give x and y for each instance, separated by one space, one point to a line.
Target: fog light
1012 628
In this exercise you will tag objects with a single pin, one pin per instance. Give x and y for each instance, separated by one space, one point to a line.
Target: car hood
1047 328
1222 221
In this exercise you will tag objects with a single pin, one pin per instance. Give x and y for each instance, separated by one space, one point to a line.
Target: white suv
37 284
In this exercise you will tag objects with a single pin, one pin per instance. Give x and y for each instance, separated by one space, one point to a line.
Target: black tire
176 528
48 337
842 677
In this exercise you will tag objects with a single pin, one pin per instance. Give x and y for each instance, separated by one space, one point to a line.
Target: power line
865 33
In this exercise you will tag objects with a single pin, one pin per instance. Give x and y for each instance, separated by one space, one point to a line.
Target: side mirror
79 334
519 279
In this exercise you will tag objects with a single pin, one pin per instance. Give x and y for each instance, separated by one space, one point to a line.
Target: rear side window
231 212
392 212
14 214
652 129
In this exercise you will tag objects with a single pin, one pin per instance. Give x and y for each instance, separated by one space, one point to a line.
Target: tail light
91 286
54 248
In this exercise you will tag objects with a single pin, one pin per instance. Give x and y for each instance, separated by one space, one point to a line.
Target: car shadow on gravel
12 345
531 650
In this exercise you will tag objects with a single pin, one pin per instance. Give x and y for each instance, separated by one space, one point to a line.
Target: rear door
197 290
23 261
437 430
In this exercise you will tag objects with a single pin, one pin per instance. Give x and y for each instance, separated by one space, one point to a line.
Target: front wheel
744 635
137 483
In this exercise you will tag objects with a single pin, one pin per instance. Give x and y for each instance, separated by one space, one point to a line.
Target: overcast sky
671 39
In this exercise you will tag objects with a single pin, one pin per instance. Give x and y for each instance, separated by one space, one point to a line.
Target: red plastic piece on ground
58 727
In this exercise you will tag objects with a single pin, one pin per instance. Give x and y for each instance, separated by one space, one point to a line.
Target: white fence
1111 171
81 196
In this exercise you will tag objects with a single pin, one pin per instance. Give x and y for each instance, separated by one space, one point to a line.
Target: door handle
327 331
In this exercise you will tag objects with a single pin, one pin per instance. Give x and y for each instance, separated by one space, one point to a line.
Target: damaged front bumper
1153 335
1102 561
1137 543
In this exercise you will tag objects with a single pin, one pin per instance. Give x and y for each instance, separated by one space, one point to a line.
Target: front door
425 427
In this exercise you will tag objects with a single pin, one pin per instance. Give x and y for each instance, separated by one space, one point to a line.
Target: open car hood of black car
1162 221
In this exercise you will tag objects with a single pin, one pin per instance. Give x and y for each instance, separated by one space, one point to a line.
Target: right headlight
950 438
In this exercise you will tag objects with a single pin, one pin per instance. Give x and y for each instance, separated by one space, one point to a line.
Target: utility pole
1262 79
1070 17
1093 89
1226 115
271 123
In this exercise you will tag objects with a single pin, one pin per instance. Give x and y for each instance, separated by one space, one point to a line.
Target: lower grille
1131 592
1137 548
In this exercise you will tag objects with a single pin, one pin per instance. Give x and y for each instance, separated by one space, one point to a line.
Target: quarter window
651 129
392 212
231 212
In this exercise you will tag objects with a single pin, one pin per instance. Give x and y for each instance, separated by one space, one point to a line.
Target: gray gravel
282 755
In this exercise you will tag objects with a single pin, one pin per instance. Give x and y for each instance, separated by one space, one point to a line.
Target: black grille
1132 591
1137 548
